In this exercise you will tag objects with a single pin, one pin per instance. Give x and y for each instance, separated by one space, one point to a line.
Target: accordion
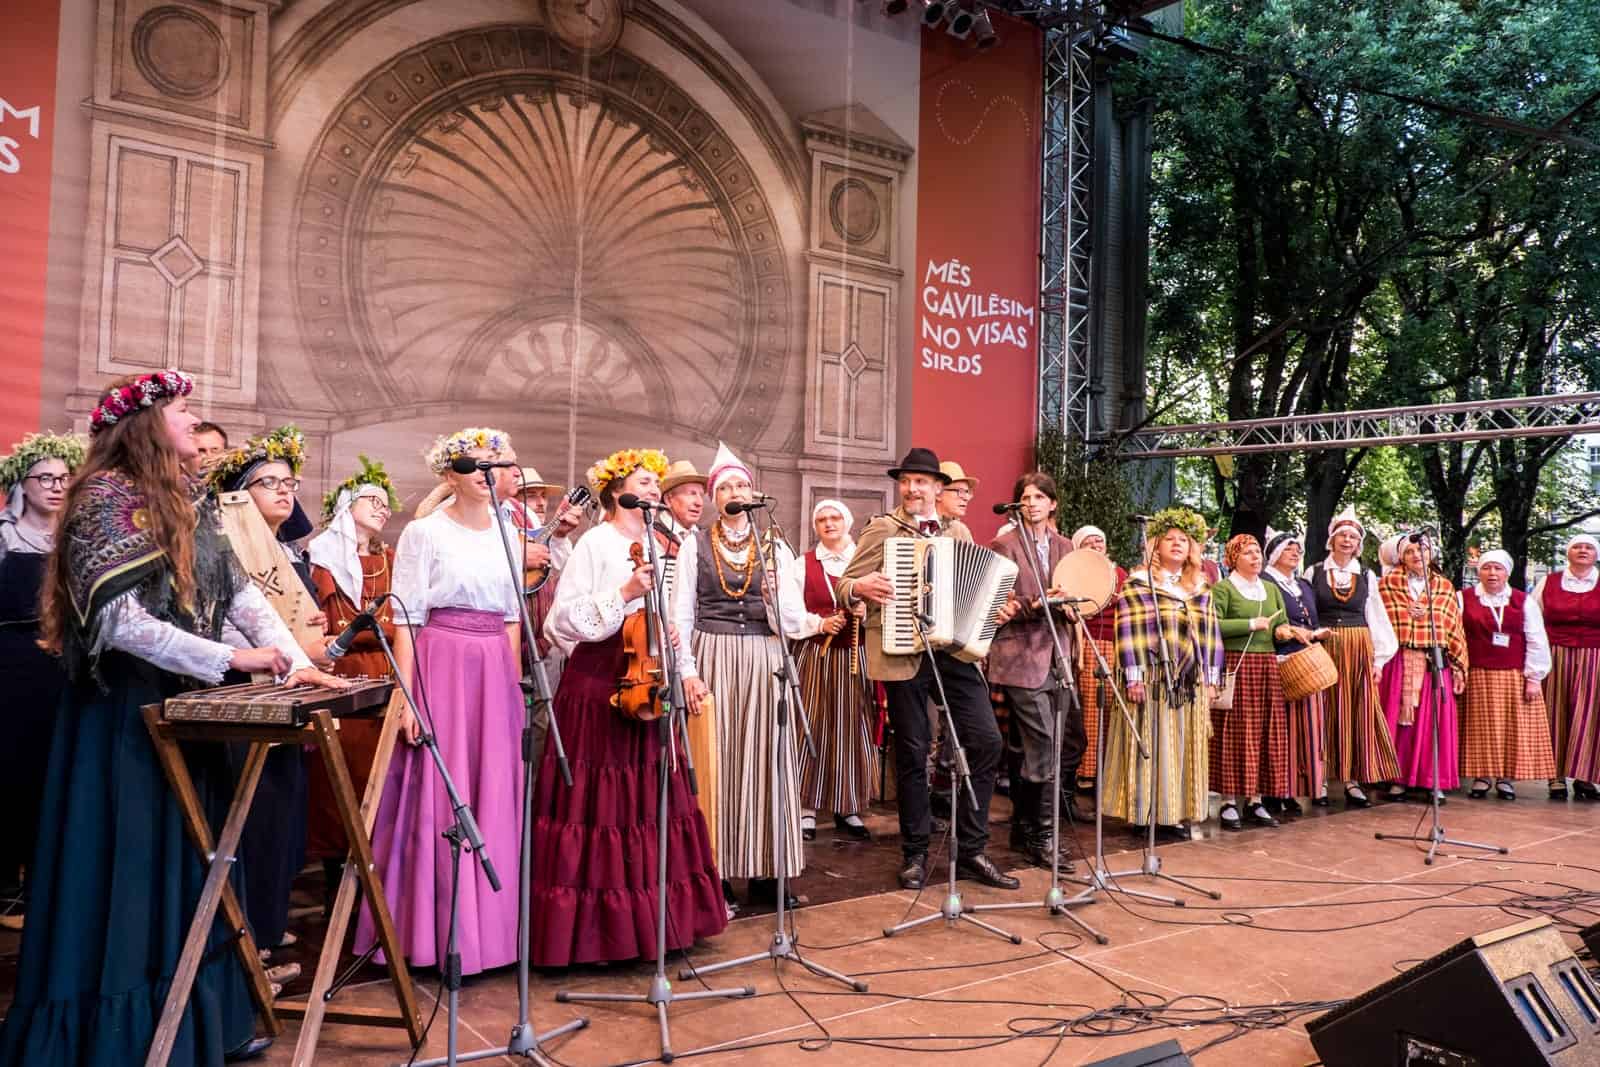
954 586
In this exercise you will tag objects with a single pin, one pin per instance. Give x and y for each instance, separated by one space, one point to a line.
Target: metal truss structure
1526 416
1066 341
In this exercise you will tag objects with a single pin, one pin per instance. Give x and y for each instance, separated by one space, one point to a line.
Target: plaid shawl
1413 633
1190 627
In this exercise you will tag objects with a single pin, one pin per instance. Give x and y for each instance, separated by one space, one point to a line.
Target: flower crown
69 448
1177 518
142 392
286 444
371 474
461 442
619 465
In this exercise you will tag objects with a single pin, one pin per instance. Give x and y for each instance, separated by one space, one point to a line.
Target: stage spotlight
983 29
894 7
932 12
960 21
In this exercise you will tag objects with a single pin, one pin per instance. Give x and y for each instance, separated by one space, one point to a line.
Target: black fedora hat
920 461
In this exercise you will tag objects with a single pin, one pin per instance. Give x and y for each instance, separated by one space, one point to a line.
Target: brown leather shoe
981 868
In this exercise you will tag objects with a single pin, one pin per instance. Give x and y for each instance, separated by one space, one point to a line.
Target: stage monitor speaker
1516 995
1166 1054
1591 940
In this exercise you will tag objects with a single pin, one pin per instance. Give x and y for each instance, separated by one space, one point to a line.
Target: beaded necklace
1333 587
749 565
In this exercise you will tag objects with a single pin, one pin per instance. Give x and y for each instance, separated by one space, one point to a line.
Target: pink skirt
1413 744
466 680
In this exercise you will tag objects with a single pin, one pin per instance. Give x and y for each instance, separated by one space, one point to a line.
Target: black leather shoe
764 893
1173 835
1321 802
250 1050
1558 789
1504 791
1290 806
1259 816
1479 790
1584 790
1356 797
860 833
1229 817
981 868
914 875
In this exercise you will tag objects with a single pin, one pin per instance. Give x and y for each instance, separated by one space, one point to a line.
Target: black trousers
979 735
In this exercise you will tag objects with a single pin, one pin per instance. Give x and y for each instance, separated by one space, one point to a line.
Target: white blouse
125 625
441 564
805 624
1249 588
1536 662
1385 644
1570 582
588 604
687 579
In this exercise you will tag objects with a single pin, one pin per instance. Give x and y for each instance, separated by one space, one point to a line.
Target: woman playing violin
594 845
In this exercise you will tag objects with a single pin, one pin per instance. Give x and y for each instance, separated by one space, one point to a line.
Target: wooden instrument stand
360 872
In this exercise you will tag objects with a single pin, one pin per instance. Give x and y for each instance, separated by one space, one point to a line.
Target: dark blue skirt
112 887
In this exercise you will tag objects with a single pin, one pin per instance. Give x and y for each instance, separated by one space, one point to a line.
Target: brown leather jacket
1020 654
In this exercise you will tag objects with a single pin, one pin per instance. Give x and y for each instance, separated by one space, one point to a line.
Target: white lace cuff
125 625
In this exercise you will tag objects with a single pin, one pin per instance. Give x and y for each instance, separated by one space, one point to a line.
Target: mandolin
535 577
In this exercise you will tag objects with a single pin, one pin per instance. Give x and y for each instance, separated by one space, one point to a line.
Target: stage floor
1314 911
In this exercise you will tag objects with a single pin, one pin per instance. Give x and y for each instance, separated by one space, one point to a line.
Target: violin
639 689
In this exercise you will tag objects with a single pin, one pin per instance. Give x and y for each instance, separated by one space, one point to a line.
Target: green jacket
1235 610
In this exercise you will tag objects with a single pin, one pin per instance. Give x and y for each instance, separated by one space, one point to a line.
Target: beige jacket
869 558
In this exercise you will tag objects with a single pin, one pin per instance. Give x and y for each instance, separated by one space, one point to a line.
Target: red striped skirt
1250 741
1502 734
1572 697
1359 746
839 707
1089 688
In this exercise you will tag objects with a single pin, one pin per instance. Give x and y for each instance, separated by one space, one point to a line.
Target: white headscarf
836 505
338 548
1584 539
1083 533
1497 555
1347 517
724 464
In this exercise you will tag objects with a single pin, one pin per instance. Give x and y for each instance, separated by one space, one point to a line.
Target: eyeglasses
964 493
272 483
49 481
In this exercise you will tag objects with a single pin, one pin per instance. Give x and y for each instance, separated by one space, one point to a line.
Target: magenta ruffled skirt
594 845
467 679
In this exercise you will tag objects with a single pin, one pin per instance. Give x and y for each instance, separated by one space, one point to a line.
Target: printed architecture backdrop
593 223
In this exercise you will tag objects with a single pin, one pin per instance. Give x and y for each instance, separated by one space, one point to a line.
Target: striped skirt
700 733
841 713
1250 741
1359 746
739 669
1308 764
1502 734
1413 741
1182 734
1089 689
1572 696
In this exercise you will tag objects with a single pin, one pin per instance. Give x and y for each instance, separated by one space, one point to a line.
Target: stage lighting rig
983 34
958 21
933 12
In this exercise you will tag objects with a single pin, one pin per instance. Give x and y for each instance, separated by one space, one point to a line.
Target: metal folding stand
1100 878
790 707
1063 688
524 1040
1436 835
952 908
671 724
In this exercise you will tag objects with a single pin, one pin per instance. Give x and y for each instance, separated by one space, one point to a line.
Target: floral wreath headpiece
461 442
286 444
619 465
372 473
69 448
1177 518
142 392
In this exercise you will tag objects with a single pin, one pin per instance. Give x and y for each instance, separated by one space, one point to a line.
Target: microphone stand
782 946
671 727
524 1040
952 909
1063 689
462 833
1436 835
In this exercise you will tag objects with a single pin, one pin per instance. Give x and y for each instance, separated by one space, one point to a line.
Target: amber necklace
749 566
1333 587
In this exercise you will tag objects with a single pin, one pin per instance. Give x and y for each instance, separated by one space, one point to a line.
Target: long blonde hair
1193 577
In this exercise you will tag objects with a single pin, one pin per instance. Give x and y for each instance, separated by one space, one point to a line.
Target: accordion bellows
953 588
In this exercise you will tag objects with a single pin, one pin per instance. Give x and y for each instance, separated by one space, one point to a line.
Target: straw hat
681 472
953 474
531 479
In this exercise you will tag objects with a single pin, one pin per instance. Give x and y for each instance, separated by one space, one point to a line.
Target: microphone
1002 509
468 465
367 620
1140 518
737 507
1419 535
634 502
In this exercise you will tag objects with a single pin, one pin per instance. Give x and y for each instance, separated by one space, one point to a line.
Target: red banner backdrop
27 119
975 371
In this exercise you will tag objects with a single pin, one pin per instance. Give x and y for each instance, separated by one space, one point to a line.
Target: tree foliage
1337 224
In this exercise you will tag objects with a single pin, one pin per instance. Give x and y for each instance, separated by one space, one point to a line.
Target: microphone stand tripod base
952 910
